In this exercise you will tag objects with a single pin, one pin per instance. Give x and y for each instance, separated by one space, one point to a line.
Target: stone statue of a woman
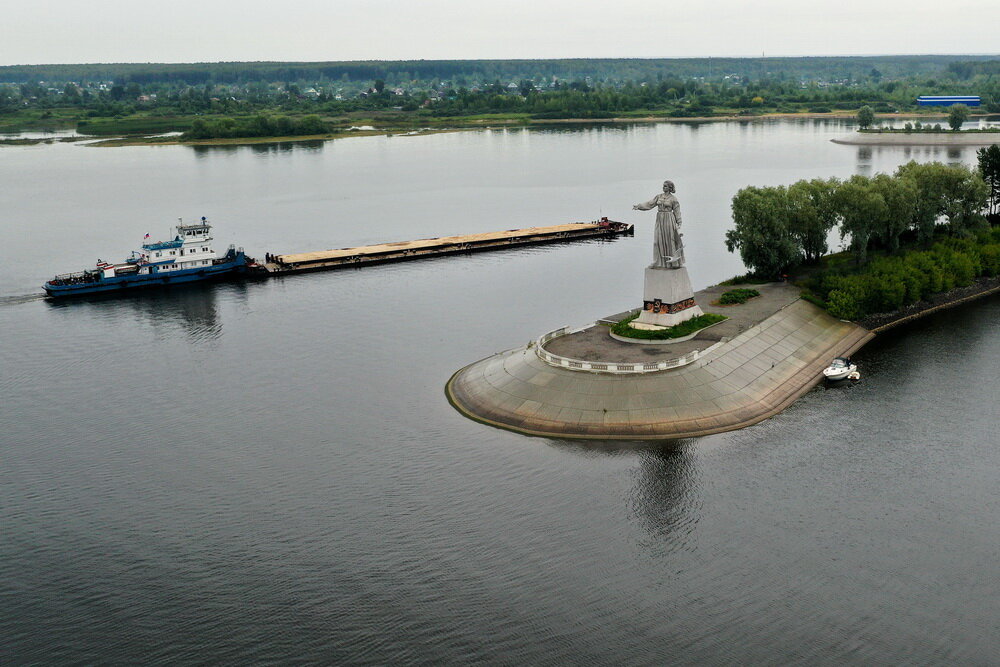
668 249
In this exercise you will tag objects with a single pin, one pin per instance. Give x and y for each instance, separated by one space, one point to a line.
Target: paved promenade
756 374
594 344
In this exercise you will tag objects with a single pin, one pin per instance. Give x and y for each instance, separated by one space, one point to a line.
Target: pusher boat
188 257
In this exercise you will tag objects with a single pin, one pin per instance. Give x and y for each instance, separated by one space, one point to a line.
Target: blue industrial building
948 100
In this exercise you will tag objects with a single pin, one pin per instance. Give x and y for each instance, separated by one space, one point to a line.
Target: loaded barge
189 257
447 245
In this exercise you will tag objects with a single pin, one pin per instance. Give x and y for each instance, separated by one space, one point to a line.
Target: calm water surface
270 471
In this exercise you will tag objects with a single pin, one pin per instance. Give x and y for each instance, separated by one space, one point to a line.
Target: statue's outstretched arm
647 205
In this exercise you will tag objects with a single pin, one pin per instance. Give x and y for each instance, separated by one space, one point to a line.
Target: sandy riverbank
920 139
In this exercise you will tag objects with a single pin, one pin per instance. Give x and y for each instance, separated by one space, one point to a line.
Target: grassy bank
141 125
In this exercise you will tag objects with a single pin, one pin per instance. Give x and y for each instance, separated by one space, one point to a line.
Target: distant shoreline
476 124
461 125
920 139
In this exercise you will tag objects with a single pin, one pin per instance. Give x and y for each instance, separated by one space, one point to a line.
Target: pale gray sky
71 31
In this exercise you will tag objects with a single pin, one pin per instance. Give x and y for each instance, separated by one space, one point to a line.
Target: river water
270 471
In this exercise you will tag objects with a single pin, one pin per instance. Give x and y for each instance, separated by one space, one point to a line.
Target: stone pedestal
667 299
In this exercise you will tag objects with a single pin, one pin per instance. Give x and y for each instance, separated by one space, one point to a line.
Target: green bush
132 126
739 295
257 126
890 283
685 328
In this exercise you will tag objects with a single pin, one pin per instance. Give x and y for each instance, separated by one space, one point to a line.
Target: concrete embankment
735 383
920 139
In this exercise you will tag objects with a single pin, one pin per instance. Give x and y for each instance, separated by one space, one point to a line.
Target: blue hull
122 283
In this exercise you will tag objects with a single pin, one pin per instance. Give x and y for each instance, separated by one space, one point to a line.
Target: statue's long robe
668 250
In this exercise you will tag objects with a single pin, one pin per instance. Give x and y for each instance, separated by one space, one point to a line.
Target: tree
957 114
71 93
965 199
811 215
762 233
989 169
931 186
379 85
865 117
900 197
860 207
954 192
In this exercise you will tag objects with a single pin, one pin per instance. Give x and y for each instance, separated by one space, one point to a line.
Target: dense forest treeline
171 96
597 69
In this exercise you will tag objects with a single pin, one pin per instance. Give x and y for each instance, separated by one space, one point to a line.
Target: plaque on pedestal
667 298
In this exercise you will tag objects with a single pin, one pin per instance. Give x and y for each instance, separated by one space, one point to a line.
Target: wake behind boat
188 257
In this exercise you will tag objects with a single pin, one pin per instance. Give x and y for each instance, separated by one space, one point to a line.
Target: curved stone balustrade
605 367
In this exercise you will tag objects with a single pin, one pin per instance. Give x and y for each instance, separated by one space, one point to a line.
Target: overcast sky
72 31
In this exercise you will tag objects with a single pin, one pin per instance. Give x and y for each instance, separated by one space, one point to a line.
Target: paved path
755 375
595 344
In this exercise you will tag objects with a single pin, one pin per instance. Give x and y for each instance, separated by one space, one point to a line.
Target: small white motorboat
839 369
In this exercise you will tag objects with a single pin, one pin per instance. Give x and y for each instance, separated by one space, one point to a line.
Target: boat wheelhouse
188 257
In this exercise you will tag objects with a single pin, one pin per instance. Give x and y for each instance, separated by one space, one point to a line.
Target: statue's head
668 186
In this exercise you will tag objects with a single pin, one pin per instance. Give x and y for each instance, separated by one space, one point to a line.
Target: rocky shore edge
882 322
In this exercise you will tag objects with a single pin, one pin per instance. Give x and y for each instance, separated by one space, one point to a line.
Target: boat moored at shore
188 257
839 369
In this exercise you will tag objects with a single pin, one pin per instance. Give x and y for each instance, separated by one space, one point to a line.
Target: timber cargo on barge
447 245
188 257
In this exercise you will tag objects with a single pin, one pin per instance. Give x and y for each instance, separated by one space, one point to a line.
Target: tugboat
188 257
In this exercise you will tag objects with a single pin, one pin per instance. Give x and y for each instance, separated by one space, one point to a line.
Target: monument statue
668 249
667 298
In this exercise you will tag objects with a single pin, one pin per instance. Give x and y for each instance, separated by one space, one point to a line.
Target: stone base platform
772 351
594 343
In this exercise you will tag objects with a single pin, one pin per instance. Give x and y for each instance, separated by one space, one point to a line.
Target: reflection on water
665 497
191 308
864 160
266 148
